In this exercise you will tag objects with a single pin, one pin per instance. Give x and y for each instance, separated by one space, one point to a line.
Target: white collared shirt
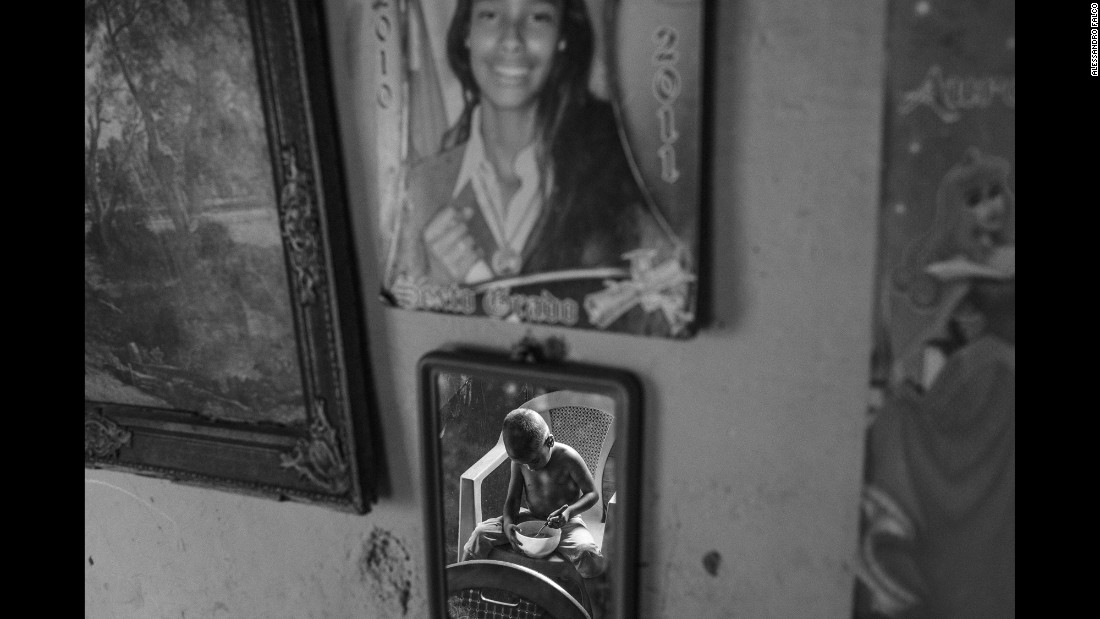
510 223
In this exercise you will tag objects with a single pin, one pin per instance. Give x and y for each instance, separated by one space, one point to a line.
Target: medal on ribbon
506 262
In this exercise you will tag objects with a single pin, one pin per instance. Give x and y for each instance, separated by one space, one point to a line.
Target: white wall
753 430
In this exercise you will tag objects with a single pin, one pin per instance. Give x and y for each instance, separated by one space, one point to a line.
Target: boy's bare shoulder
568 454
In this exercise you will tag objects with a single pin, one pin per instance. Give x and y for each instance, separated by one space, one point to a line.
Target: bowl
537 547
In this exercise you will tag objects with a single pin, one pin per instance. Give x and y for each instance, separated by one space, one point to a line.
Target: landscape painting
187 302
224 344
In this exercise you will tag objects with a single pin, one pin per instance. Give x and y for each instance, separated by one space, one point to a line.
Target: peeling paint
384 566
711 561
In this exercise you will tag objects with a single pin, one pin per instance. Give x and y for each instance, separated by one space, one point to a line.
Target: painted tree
172 118
176 306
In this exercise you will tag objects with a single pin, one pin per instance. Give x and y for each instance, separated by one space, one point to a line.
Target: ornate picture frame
225 340
465 395
603 232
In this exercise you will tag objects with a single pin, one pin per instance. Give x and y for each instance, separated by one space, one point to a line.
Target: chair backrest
494 589
585 422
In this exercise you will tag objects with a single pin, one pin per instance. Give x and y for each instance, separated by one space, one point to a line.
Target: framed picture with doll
938 526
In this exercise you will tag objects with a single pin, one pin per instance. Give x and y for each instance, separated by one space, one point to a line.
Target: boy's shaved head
524 431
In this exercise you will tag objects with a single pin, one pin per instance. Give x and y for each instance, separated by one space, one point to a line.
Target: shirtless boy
559 488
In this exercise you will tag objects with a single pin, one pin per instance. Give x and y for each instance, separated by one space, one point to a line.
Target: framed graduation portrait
537 161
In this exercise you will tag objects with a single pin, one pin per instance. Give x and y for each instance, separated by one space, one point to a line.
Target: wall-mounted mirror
533 490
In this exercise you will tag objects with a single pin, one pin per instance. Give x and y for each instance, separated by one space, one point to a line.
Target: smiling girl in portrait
533 177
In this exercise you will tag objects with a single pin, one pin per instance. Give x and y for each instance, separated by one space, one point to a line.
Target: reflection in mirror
529 477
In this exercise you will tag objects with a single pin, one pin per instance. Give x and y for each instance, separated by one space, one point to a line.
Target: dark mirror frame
330 459
622 386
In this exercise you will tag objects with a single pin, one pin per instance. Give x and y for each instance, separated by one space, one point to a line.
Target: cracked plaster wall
753 430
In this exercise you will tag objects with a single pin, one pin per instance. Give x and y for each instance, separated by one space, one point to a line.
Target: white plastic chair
584 421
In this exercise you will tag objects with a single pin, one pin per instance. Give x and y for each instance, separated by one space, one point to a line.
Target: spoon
552 514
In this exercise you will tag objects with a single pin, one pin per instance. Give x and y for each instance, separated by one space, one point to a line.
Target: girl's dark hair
566 88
